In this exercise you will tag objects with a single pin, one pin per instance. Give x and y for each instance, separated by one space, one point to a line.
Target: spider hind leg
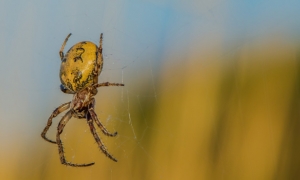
99 124
98 140
60 128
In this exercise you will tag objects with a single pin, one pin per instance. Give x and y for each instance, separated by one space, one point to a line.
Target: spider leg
61 51
60 129
98 140
99 124
99 62
108 84
57 111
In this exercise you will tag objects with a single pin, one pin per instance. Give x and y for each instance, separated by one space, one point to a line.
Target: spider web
157 49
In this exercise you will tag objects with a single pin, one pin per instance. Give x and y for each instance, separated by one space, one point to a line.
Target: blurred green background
212 89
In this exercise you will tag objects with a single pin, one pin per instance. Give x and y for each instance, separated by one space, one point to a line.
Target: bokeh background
212 89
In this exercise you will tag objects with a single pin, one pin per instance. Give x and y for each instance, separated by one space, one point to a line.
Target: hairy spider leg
57 111
60 129
97 121
108 84
99 62
61 51
98 140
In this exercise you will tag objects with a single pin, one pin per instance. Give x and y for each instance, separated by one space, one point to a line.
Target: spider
79 72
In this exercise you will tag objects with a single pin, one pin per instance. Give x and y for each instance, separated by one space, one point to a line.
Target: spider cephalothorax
79 73
82 100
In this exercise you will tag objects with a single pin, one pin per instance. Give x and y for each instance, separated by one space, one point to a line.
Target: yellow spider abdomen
77 67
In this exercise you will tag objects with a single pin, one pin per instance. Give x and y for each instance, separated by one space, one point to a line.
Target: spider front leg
99 62
57 111
99 124
61 51
98 140
60 129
